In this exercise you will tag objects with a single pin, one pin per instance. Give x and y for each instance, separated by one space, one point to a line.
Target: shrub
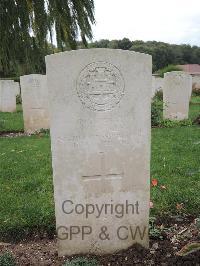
155 232
18 99
195 91
156 111
159 95
197 120
169 123
7 260
168 68
157 115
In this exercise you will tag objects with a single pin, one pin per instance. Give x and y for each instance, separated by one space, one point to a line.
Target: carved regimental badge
100 86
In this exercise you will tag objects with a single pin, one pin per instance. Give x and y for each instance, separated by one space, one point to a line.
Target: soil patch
161 251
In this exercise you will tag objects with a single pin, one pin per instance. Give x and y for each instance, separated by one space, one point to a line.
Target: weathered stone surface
100 138
7 96
177 91
17 88
196 82
35 102
157 84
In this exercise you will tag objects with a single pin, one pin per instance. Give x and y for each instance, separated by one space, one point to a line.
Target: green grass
26 191
12 121
194 107
176 164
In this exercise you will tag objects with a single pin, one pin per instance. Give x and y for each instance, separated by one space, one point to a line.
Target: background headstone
196 82
7 96
157 84
35 102
100 138
17 87
177 91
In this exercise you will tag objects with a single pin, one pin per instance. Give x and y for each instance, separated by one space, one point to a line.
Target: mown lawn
175 163
12 121
194 107
26 190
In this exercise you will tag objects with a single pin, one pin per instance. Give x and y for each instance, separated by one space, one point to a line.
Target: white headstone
100 137
7 96
35 102
17 88
176 95
196 82
157 84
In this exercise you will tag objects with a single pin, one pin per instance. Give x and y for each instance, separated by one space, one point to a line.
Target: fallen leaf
154 182
163 187
189 248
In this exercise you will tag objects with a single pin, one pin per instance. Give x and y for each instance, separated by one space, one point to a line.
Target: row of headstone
99 104
35 102
35 98
196 82
8 92
177 89
157 85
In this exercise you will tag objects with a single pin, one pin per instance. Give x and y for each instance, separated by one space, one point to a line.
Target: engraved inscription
35 83
102 175
100 86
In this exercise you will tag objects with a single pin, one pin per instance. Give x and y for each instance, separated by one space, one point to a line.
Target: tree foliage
26 27
168 68
163 54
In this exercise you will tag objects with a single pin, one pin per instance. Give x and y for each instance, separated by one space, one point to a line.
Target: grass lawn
194 107
12 121
26 190
175 163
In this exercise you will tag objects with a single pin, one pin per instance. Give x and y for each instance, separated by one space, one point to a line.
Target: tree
125 44
27 25
100 44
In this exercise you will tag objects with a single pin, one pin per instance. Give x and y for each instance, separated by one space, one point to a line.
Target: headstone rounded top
176 73
100 86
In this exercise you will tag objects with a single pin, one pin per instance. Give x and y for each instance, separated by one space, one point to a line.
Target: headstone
100 138
177 91
196 82
34 102
157 84
7 96
17 88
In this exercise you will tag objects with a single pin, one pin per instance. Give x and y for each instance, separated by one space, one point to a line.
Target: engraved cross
103 175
